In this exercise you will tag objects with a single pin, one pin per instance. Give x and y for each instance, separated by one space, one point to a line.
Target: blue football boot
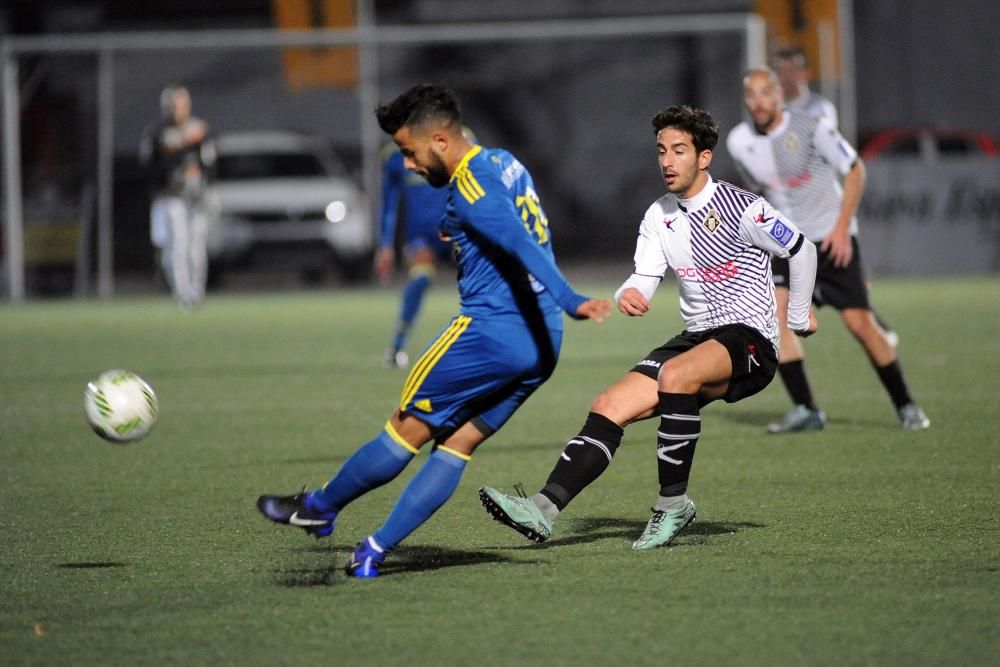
297 510
366 559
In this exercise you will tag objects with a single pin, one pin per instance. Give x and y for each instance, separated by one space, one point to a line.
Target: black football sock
585 457
680 426
891 376
793 375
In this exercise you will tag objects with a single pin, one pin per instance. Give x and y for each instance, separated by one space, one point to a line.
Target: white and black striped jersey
719 245
814 104
797 166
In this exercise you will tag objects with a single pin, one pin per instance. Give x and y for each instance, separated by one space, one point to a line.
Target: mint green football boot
517 512
664 525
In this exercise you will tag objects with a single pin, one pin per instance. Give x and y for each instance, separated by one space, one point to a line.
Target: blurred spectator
179 154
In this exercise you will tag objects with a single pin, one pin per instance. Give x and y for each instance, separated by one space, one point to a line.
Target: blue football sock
426 492
372 465
413 297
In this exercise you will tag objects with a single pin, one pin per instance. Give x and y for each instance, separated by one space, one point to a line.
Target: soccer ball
120 406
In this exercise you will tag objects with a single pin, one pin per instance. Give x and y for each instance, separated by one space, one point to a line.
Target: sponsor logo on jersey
799 180
513 172
760 219
782 233
792 142
668 222
649 362
709 274
713 221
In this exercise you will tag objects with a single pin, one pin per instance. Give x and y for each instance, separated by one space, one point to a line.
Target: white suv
285 202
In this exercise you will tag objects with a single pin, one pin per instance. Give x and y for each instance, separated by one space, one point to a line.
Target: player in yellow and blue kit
503 344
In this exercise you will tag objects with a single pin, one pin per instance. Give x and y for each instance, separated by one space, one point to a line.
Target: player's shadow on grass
592 529
328 461
415 558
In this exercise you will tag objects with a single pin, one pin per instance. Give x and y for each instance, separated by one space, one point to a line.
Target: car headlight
336 211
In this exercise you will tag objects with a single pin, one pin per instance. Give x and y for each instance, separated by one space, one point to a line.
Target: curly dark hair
419 104
698 123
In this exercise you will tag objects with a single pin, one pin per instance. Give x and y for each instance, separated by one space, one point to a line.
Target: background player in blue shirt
500 348
413 208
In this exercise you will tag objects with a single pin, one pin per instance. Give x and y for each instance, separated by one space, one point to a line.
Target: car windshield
950 146
246 166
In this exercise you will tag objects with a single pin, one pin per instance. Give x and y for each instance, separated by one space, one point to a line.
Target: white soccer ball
120 406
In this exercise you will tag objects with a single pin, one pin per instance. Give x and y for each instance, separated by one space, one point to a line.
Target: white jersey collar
700 199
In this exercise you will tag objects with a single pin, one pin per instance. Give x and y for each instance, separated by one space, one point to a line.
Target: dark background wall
576 113
923 62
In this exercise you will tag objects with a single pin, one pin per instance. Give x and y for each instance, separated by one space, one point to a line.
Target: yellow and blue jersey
501 240
505 342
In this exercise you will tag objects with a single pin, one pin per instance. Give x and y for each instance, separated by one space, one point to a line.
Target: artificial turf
860 544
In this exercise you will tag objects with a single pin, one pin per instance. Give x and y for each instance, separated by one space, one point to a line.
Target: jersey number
532 216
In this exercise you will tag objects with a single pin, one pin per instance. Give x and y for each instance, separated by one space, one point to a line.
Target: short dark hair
698 123
793 53
418 105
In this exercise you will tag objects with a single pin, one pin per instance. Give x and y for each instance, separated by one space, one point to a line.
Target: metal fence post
105 166
14 219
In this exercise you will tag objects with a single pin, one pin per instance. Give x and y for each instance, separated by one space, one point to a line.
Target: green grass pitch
862 544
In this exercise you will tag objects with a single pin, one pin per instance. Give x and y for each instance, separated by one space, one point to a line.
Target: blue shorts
429 240
479 371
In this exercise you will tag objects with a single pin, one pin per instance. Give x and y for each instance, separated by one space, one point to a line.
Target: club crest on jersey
713 221
792 142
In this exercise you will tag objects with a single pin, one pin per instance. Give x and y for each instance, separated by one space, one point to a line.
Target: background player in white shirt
793 74
797 159
718 240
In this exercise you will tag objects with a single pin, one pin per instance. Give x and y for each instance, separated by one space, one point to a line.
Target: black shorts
838 287
753 357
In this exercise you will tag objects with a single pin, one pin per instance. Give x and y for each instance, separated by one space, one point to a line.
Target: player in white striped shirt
797 159
793 74
718 241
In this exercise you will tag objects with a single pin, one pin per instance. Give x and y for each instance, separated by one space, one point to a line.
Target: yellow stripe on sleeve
464 190
471 186
464 162
474 184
